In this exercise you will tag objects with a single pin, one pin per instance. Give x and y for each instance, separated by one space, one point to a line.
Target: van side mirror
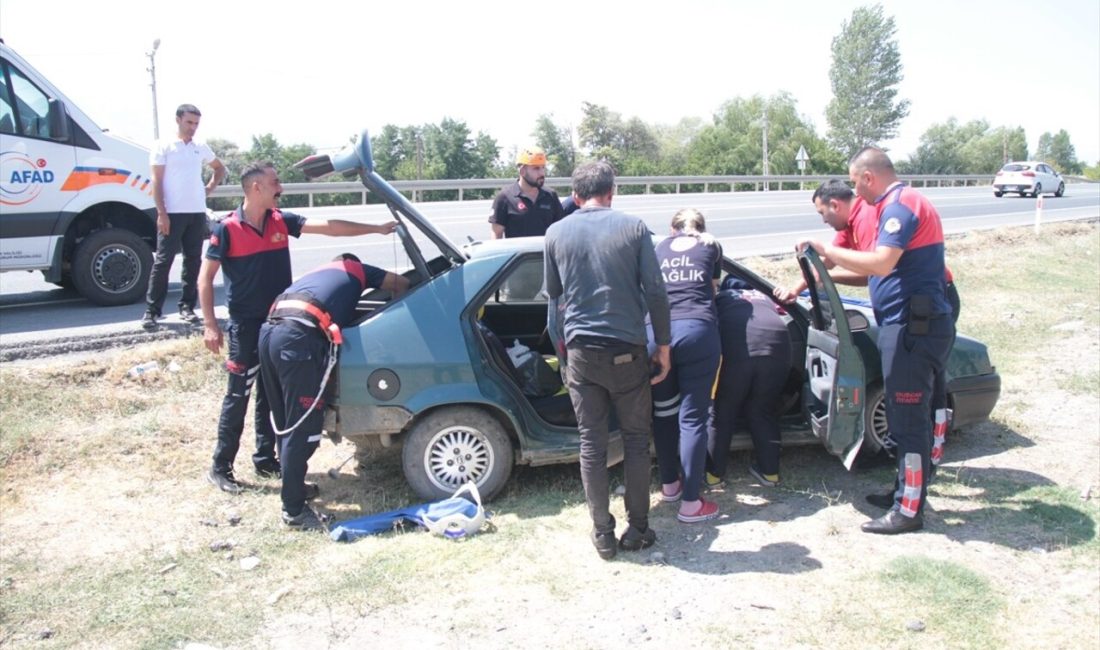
59 121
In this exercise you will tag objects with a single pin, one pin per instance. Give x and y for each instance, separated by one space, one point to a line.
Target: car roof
504 246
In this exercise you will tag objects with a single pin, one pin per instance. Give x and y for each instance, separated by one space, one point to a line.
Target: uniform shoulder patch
892 225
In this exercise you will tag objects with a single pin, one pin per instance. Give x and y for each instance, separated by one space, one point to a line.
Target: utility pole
765 169
419 165
152 54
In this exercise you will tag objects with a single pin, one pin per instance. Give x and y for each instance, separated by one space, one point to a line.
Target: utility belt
303 307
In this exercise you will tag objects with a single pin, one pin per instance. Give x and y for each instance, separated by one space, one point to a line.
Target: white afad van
76 203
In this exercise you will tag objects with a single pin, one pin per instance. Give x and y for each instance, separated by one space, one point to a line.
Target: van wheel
876 433
452 446
111 267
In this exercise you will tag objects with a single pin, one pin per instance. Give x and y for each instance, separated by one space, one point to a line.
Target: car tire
111 267
876 432
1061 190
1037 190
998 194
454 445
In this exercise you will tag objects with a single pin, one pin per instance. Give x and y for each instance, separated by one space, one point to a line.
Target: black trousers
187 230
599 380
909 365
243 365
293 357
749 388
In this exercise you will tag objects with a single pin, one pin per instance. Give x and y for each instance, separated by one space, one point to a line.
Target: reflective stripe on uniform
914 480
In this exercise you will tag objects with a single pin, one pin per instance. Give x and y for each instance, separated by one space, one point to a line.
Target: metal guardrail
664 184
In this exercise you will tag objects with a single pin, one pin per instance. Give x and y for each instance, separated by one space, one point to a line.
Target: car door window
32 107
7 110
524 282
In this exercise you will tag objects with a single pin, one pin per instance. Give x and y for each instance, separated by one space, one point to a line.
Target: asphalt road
36 316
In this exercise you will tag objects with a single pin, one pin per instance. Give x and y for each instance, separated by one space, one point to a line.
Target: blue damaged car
461 370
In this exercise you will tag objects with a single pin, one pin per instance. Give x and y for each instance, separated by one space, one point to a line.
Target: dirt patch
111 537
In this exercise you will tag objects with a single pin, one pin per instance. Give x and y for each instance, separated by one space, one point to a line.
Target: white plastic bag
519 353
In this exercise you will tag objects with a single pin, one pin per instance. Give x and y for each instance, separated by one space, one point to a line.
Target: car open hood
356 159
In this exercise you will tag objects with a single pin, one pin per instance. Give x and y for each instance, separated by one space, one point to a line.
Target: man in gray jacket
602 268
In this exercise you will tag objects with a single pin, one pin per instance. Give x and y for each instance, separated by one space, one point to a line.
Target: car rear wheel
454 445
876 433
1061 190
1037 190
998 193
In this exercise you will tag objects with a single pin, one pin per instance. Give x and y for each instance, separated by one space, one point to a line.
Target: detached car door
835 398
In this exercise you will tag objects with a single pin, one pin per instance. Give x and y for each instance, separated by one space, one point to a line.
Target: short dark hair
833 190
593 179
187 108
254 170
347 257
872 158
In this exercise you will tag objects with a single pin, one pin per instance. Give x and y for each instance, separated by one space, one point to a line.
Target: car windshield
1015 167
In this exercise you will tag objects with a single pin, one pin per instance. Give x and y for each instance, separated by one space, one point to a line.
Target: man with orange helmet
525 208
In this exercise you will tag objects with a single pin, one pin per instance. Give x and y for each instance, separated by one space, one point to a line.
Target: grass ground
110 536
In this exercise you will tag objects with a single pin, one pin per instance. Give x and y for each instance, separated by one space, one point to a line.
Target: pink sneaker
707 510
671 492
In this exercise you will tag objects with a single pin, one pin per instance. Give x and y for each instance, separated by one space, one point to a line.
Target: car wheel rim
116 268
457 455
880 431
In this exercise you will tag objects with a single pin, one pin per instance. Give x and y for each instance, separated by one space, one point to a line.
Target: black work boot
605 543
306 520
635 540
893 523
224 481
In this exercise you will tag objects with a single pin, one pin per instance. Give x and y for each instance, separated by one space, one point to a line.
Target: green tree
230 155
987 153
557 141
631 146
434 151
970 148
865 73
1058 151
734 143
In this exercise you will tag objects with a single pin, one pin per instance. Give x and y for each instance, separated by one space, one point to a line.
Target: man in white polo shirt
181 213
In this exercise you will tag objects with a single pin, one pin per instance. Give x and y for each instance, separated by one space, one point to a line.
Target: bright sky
318 73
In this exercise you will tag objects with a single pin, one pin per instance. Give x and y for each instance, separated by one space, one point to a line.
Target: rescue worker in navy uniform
756 361
691 262
298 346
525 208
908 294
251 247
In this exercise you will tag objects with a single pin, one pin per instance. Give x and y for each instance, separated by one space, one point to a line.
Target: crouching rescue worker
298 349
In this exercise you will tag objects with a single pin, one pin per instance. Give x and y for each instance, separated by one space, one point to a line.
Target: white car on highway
1028 177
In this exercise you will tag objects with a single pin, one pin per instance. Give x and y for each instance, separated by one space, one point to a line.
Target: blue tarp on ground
349 531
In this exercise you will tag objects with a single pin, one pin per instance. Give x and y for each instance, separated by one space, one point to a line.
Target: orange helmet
531 156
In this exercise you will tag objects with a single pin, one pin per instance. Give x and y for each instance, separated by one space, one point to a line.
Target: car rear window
1015 167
